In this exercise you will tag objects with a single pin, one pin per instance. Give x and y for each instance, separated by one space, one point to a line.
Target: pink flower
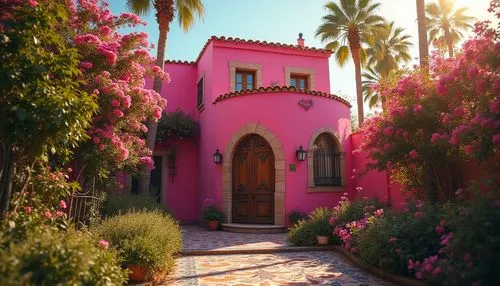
62 204
148 162
495 139
157 113
33 3
101 147
118 113
413 154
398 250
392 239
419 275
115 103
379 212
418 214
86 65
389 131
96 140
104 244
437 271
417 108
359 189
28 209
469 149
47 214
59 213
459 192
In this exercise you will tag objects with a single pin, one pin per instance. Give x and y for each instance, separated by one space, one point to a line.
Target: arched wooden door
253 182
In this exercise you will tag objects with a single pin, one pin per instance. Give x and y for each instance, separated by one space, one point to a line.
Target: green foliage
53 257
476 232
43 107
148 238
348 211
295 216
304 232
176 125
416 238
212 213
117 203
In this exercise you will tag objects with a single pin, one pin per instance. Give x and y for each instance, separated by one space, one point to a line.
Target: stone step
252 228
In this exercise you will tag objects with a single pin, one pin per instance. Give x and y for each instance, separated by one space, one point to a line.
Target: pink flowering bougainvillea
115 67
435 122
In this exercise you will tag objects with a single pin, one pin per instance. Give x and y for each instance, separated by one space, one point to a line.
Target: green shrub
476 233
295 216
304 232
211 213
148 238
53 257
348 211
117 203
391 240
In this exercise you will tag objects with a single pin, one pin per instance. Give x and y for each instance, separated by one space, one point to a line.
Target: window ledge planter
322 239
138 273
397 279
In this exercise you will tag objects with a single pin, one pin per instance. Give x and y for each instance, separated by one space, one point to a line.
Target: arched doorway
253 181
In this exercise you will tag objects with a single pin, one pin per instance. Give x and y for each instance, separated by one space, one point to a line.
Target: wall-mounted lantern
217 157
301 154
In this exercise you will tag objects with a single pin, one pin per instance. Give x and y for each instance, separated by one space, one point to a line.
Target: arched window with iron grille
327 169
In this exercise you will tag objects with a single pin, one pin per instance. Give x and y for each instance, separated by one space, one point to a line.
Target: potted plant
213 216
322 230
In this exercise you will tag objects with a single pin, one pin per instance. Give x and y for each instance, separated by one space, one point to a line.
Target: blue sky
279 21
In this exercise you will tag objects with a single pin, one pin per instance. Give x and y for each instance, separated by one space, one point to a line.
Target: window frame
309 72
244 78
305 77
200 98
312 188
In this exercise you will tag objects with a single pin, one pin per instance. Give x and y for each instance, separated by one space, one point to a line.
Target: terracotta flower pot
137 273
213 224
322 240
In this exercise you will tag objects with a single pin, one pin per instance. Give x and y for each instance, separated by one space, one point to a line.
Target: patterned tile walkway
287 268
197 238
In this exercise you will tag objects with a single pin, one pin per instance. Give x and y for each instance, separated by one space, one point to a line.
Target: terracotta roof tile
180 62
260 43
280 89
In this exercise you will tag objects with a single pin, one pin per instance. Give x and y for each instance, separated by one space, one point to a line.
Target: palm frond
140 7
188 11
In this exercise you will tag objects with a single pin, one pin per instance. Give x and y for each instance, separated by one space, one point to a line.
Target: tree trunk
359 87
8 170
449 41
145 173
423 44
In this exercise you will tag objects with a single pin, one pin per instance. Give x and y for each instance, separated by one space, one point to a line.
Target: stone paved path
287 268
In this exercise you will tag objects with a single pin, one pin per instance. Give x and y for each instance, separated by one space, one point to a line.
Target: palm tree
346 27
446 24
389 49
423 45
187 10
371 78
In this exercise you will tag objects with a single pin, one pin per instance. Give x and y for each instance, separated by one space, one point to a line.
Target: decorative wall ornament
275 83
306 103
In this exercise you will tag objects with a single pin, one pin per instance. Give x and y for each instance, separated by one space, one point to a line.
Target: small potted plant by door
322 231
213 216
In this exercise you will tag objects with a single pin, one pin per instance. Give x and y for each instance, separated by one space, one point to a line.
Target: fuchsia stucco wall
375 184
197 176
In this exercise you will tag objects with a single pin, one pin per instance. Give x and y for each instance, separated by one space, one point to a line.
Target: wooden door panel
253 181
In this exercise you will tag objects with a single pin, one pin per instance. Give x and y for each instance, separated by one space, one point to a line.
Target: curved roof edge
281 89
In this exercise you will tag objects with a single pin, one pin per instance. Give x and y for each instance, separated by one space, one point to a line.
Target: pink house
260 106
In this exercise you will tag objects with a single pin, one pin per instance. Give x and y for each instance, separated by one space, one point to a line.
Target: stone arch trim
310 162
279 165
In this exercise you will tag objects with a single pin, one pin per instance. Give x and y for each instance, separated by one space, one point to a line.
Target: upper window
200 93
299 81
327 169
245 79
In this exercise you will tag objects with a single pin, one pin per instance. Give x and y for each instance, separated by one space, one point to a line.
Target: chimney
300 41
